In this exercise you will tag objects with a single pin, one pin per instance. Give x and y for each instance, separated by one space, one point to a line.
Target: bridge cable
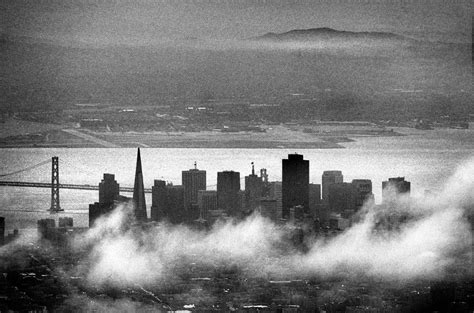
26 169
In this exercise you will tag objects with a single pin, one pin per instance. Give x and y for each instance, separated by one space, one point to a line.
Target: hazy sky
149 21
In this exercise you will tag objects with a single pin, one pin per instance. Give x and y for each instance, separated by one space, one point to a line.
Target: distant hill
345 77
326 33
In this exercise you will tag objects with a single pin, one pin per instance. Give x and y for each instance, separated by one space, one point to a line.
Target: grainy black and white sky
152 21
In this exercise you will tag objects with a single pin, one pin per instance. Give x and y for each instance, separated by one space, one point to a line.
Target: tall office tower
275 192
158 200
108 189
364 191
329 178
167 202
295 184
2 230
207 201
175 211
139 192
394 186
228 187
193 181
108 194
342 198
253 190
314 198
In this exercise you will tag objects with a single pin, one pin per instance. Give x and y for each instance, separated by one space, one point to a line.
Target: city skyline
292 199
362 246
237 155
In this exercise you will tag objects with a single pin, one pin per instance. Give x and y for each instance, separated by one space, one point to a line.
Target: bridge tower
55 207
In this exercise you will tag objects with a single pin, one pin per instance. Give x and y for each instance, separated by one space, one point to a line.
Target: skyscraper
158 200
228 187
329 178
167 202
139 204
175 210
342 198
108 195
394 186
207 201
295 184
253 190
193 181
108 189
274 192
364 191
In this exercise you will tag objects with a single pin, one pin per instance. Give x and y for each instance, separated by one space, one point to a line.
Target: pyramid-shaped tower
139 204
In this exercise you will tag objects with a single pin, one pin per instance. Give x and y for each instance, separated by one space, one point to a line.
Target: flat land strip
18 133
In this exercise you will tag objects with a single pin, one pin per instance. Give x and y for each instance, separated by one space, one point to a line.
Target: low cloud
435 237
124 256
423 248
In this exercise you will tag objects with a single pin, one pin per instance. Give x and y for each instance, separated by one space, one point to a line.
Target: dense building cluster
327 207
330 206
310 209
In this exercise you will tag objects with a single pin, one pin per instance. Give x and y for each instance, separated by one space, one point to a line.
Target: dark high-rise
193 181
364 191
176 212
295 184
228 187
329 178
139 204
274 192
253 190
108 194
394 186
108 189
207 201
342 198
167 202
158 200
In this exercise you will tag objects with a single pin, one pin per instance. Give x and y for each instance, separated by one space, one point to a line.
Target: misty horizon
106 23
312 35
364 90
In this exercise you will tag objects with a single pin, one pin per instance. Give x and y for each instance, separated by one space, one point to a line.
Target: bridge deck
62 186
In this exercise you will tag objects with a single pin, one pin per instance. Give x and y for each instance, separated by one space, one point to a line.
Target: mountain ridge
326 33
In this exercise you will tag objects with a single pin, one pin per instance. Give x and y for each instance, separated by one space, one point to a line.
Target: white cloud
433 239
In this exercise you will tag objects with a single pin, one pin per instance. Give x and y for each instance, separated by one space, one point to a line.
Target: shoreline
195 145
273 137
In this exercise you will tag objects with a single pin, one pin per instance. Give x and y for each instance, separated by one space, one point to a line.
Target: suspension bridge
54 185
